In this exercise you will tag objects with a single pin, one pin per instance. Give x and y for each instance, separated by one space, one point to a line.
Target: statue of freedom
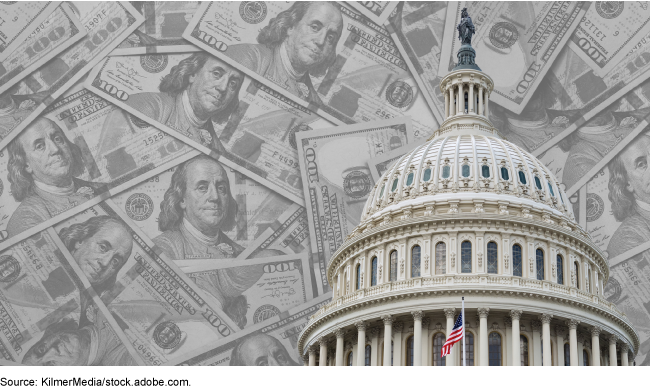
465 28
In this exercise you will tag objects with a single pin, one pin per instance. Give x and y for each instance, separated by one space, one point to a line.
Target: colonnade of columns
455 99
421 341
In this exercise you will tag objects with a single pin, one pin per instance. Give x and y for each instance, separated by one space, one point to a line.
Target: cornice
339 308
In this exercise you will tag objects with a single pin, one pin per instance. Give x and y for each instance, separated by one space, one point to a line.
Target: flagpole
463 317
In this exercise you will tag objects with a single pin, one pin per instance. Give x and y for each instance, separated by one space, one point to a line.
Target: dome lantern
466 90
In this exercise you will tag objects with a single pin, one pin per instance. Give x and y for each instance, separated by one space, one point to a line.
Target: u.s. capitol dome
468 214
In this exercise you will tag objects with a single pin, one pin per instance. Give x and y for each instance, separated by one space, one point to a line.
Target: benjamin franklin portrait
198 91
64 343
43 171
196 210
260 350
298 43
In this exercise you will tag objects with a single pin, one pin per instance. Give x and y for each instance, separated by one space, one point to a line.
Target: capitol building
468 214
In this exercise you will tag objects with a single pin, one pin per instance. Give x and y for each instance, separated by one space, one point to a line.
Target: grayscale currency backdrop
174 176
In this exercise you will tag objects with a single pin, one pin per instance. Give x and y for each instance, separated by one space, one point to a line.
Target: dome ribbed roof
467 166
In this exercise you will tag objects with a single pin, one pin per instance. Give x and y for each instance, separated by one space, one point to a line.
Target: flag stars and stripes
455 336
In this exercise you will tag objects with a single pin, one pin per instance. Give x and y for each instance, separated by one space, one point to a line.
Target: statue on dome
465 28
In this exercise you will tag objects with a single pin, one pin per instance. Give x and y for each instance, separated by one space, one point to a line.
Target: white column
312 355
470 97
624 349
340 333
374 345
484 347
559 332
417 337
487 100
546 339
507 347
446 105
612 350
397 343
573 341
323 352
595 346
516 347
425 341
451 358
537 343
452 108
480 100
388 337
361 343
582 339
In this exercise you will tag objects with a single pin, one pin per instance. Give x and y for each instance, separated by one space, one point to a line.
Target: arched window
394 187
550 188
504 174
465 170
469 349
523 346
567 355
368 353
409 179
350 357
494 342
358 276
522 177
516 260
576 270
492 258
485 171
393 266
415 262
427 174
538 183
441 258
446 171
466 257
585 358
409 351
373 273
438 342
560 270
539 255
381 193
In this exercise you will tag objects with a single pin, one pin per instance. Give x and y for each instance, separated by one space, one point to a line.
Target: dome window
485 171
465 170
409 179
522 177
427 174
381 193
538 183
504 173
561 198
446 172
550 188
394 185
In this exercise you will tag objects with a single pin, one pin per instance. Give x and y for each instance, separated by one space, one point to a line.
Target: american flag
455 336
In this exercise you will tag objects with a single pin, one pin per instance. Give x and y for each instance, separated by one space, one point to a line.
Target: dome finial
466 53
465 28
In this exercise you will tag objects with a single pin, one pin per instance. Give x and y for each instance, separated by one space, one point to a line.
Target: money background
584 113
